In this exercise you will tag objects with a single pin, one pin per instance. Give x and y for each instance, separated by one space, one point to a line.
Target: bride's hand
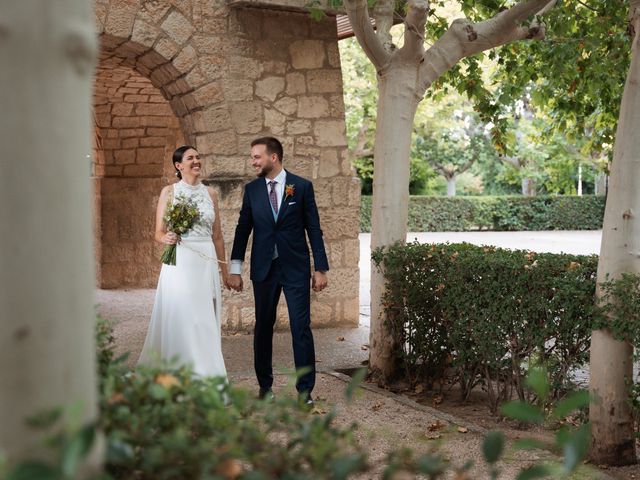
225 280
171 238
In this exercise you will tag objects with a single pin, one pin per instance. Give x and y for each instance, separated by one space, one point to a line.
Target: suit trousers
267 295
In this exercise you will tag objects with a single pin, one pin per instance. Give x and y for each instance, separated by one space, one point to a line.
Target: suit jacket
297 214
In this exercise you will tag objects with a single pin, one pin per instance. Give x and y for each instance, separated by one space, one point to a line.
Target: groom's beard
264 171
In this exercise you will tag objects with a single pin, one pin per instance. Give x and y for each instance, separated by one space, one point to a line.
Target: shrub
433 214
482 315
168 424
164 423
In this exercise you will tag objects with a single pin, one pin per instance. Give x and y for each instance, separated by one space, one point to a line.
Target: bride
185 322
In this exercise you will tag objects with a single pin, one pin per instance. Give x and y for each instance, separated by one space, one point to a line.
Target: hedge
503 213
483 315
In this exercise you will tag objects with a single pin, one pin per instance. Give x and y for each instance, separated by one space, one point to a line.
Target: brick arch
166 73
136 131
153 92
177 45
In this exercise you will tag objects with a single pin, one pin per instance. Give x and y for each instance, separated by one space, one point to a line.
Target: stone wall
228 75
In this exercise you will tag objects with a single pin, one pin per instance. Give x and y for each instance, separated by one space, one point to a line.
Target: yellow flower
116 398
230 468
167 380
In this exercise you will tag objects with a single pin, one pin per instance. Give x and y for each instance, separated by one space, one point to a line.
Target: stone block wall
230 75
285 80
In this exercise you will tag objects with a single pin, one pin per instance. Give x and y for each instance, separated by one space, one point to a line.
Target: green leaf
430 465
522 411
34 469
45 419
119 452
343 467
77 448
356 380
529 444
573 402
317 14
537 381
576 447
535 471
158 392
493 446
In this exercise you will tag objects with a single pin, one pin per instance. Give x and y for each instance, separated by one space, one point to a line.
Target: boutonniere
289 190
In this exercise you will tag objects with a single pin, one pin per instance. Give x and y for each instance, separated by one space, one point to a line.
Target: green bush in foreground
167 424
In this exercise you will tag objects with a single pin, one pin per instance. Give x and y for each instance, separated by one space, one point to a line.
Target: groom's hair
273 146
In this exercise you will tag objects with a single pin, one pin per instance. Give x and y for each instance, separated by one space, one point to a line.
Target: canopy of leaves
576 74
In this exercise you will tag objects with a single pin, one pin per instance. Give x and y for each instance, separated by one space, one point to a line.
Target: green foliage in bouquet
180 216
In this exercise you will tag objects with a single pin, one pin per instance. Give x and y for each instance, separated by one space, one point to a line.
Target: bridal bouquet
179 217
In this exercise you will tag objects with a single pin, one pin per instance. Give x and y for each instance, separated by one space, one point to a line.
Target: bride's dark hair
177 157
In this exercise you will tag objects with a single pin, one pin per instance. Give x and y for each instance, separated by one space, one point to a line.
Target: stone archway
136 132
230 73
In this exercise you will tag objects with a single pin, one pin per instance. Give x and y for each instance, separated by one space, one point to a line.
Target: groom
280 207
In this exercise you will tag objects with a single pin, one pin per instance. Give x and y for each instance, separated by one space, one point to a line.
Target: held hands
234 281
319 281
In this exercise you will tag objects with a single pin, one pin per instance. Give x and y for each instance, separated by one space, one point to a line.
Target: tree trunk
612 440
600 184
528 187
579 179
47 52
397 104
451 186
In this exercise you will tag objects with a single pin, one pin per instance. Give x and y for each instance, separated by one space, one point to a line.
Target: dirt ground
476 411
389 421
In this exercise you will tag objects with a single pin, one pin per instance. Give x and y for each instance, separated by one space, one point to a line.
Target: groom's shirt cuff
236 267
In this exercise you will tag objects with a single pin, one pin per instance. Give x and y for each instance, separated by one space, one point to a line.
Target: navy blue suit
291 271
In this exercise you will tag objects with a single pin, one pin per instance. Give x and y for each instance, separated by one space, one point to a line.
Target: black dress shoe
266 394
305 400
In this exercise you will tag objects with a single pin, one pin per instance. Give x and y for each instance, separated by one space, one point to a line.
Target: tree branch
358 13
447 171
383 15
587 6
466 166
364 153
515 161
464 38
360 151
414 26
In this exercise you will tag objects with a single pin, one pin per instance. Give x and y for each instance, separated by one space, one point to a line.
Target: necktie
272 196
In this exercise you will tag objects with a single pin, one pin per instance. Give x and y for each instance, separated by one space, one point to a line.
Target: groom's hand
235 282
319 281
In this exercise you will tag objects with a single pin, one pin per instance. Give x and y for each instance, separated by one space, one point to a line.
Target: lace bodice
200 195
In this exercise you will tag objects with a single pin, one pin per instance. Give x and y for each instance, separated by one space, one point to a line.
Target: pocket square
292 203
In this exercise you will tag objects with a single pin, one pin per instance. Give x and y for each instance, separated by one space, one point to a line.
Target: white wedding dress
185 322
